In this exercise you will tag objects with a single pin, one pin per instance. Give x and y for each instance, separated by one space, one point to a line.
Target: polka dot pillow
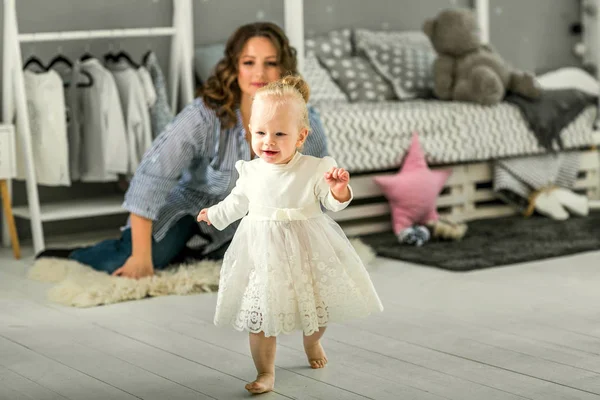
357 78
336 44
322 87
405 59
365 37
408 68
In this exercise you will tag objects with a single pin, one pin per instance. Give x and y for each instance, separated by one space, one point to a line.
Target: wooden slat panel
589 160
463 196
362 211
490 212
364 186
366 228
589 181
483 194
450 200
481 172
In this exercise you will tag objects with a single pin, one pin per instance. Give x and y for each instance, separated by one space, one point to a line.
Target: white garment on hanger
71 77
148 86
135 111
46 106
104 139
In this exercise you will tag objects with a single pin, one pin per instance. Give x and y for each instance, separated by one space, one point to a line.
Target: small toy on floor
558 203
447 230
418 235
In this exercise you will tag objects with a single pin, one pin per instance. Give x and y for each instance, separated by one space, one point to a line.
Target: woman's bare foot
316 354
264 383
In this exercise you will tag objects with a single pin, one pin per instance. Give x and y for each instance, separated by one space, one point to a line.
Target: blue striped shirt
191 166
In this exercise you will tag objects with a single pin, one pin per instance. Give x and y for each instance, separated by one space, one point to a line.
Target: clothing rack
14 103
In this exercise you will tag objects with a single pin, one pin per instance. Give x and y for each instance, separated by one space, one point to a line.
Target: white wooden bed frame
468 193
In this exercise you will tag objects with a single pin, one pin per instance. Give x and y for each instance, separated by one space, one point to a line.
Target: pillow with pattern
357 78
337 43
365 37
408 68
405 59
322 87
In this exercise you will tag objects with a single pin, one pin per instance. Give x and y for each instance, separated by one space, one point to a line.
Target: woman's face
257 65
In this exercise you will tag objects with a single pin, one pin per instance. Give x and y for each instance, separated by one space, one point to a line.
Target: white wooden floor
520 332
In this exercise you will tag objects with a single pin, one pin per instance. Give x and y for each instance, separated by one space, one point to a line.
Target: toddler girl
289 266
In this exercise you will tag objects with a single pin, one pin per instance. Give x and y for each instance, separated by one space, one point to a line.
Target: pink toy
413 191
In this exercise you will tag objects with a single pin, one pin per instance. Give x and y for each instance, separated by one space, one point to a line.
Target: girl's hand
338 179
203 216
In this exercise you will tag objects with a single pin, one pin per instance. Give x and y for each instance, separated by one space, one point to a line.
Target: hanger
147 54
33 60
110 56
90 81
60 59
124 55
86 55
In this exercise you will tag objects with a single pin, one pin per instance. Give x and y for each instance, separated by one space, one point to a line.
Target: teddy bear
468 70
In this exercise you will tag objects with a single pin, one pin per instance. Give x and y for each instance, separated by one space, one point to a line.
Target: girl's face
276 132
257 65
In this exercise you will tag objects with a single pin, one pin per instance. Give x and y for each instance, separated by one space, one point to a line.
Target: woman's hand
203 216
338 179
136 268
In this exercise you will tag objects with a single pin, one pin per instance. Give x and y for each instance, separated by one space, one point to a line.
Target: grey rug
499 241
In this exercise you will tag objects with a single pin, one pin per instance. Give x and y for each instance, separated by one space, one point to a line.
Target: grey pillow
408 68
404 58
357 78
336 44
322 87
366 37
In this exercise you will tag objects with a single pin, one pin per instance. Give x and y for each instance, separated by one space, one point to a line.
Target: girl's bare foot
316 354
264 383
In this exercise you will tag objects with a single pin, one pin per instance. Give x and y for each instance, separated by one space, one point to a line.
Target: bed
463 137
366 137
368 133
369 114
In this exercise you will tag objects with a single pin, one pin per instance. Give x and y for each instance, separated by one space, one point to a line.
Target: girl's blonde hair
291 87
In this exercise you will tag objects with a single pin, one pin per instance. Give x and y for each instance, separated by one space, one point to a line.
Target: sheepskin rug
80 286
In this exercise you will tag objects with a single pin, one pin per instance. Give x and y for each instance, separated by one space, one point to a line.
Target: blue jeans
109 255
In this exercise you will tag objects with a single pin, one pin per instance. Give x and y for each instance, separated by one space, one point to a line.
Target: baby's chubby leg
314 350
263 353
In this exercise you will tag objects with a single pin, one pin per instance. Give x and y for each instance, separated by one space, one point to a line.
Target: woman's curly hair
221 91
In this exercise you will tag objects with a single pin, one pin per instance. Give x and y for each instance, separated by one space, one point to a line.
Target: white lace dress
289 266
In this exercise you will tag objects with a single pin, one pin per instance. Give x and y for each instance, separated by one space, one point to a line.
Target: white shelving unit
15 105
73 209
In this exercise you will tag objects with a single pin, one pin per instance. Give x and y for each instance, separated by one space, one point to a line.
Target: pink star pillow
413 191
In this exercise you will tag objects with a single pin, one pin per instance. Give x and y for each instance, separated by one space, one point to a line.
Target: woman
191 164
